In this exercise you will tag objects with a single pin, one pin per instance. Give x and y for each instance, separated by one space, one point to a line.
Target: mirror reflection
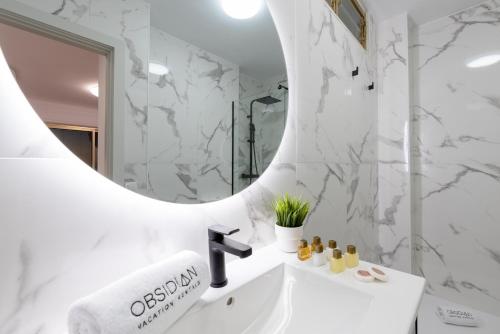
217 99
218 59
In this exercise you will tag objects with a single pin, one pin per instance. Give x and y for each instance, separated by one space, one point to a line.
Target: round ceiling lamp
241 9
158 69
93 89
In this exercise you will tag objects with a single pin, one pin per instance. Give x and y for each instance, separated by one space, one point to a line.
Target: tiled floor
429 323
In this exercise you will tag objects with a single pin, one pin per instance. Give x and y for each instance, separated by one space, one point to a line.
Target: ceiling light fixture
484 61
93 89
158 69
241 9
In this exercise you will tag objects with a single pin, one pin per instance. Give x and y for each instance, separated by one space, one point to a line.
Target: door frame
113 94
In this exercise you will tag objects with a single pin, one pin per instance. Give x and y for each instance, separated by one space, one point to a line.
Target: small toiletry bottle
303 252
318 256
332 244
351 257
315 242
337 264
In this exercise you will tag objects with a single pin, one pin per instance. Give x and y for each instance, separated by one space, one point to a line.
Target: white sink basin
272 292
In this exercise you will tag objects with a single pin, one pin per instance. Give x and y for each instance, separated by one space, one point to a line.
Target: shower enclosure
260 125
267 101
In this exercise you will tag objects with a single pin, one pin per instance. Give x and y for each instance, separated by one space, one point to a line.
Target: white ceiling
50 70
420 11
253 44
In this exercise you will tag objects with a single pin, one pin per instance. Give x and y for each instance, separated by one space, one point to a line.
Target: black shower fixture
266 100
282 87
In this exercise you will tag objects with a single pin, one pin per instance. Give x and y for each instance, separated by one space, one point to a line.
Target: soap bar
378 274
457 317
363 276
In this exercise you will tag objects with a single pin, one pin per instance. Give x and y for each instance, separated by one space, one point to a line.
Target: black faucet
217 246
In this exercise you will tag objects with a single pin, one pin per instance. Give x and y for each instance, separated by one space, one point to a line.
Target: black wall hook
355 72
372 86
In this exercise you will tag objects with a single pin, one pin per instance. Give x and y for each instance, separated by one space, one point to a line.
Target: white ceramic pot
288 237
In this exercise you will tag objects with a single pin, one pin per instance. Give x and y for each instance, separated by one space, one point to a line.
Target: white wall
438 205
394 186
189 128
456 147
55 112
336 128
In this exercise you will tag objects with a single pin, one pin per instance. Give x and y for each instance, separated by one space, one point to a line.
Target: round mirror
217 116
216 92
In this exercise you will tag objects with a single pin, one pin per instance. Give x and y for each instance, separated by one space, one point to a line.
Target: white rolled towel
147 301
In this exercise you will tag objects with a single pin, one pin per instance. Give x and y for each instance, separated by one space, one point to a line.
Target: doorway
106 135
61 81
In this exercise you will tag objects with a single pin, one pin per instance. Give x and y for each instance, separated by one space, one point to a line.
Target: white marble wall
456 149
189 129
337 129
394 186
127 20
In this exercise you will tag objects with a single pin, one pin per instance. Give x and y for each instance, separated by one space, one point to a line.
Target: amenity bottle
351 257
303 251
337 264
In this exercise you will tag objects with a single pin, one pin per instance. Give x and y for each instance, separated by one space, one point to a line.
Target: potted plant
290 215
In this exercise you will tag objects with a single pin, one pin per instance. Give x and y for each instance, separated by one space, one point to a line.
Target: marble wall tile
456 239
336 129
339 117
456 150
394 216
214 181
393 75
343 203
394 175
74 11
190 121
445 47
173 182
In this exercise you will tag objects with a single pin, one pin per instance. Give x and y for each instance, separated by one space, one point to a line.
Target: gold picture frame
92 131
362 38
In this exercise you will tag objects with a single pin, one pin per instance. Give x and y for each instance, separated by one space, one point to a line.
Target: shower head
267 100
